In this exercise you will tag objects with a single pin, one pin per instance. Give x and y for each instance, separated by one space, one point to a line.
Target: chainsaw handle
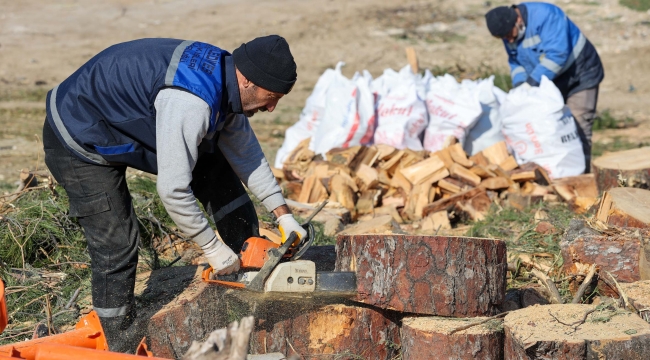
206 276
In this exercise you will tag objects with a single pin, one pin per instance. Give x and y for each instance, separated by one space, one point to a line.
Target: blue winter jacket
554 47
104 112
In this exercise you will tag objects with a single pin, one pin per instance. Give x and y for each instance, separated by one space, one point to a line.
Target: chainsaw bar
336 282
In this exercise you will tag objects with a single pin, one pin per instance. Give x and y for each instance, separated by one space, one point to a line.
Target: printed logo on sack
533 138
439 111
520 147
394 110
569 137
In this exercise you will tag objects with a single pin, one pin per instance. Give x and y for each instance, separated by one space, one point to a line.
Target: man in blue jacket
177 109
542 41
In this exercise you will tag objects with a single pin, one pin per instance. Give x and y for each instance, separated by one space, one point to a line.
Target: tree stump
638 293
431 275
536 333
342 331
622 252
430 337
629 168
626 207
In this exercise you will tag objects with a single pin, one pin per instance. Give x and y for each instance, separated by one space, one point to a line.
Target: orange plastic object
206 274
66 352
87 334
3 308
254 252
142 349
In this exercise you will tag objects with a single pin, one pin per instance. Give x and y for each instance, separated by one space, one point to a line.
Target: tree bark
432 275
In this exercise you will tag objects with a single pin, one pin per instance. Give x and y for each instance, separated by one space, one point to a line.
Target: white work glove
221 258
287 225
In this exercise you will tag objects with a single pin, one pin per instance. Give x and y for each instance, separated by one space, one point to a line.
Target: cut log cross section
629 168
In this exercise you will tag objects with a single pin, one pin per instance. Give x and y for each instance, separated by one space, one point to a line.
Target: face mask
521 31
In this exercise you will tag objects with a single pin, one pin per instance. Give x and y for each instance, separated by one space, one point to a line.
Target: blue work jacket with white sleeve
553 46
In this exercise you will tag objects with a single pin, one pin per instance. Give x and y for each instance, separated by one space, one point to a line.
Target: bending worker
541 40
178 109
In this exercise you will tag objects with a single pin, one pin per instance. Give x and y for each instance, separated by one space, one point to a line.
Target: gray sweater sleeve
239 145
182 121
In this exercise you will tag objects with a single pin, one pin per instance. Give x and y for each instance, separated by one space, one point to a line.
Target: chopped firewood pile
435 189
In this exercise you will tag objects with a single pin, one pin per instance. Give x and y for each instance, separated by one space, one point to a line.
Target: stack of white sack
453 109
539 128
340 112
401 110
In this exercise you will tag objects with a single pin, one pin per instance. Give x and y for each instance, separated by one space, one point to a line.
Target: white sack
539 128
349 113
487 130
310 118
453 109
401 111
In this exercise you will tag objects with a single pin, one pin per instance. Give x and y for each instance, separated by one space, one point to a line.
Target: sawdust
442 325
535 324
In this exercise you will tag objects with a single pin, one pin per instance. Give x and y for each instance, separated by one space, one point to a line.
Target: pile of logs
432 188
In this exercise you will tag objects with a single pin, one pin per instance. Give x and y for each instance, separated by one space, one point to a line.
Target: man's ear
242 80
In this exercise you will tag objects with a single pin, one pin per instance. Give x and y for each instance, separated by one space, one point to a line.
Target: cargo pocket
89 205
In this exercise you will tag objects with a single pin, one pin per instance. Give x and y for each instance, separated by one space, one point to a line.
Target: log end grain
431 275
631 167
534 333
431 337
638 293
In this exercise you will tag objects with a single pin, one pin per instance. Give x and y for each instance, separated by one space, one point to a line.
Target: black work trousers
100 200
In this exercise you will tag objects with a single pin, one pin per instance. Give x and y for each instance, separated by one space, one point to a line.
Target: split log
368 201
341 331
523 201
423 170
448 203
572 332
459 156
460 173
342 192
479 159
629 168
474 208
622 252
626 207
497 153
435 222
531 172
495 183
367 156
445 156
369 177
576 186
452 185
509 163
383 224
482 171
297 163
434 275
432 337
417 200
343 156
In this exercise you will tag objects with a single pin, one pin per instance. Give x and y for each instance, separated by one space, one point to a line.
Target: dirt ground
42 42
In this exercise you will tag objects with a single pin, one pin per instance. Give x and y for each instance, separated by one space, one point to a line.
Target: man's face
255 98
514 33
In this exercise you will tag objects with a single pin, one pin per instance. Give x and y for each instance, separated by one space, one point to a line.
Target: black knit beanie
501 20
267 62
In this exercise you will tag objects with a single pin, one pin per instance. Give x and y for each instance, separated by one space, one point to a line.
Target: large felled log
558 332
622 252
434 275
175 307
431 337
342 331
629 168
627 207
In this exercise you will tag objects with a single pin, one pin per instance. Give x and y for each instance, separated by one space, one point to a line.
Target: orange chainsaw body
254 252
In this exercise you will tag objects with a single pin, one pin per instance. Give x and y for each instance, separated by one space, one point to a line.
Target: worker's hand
287 225
221 258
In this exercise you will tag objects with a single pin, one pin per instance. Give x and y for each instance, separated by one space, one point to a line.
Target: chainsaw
270 267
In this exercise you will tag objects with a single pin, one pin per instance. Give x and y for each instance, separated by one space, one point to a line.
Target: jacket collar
231 98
